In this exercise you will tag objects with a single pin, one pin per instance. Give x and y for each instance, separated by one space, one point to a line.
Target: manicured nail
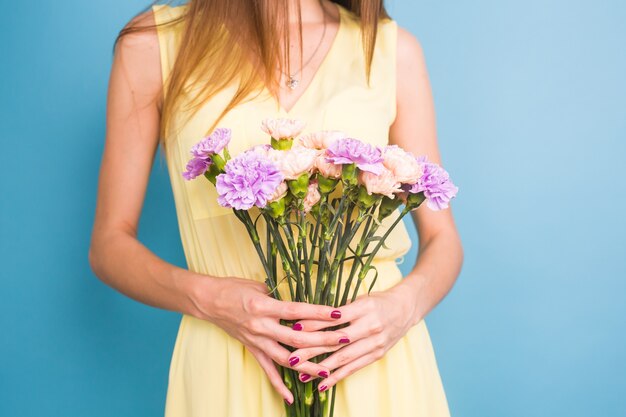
305 377
344 340
323 374
297 326
323 388
336 314
294 360
288 402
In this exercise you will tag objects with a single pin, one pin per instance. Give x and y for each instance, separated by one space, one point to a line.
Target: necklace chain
292 82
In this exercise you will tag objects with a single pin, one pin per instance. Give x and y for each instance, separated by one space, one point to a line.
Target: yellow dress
212 374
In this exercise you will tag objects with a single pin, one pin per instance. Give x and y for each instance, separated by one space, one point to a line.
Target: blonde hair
244 36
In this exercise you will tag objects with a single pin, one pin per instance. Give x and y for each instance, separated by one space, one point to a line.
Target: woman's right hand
245 310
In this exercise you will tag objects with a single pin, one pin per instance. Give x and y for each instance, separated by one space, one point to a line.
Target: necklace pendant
292 82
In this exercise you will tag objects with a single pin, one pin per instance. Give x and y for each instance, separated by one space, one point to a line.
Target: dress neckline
325 62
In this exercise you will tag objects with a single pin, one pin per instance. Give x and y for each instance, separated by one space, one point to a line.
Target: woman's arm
379 320
241 307
440 251
132 123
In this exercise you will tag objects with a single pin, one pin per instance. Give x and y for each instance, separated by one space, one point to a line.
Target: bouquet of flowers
322 198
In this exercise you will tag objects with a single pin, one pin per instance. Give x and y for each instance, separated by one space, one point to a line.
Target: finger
315 325
272 373
347 370
300 339
285 358
354 351
349 312
307 353
292 310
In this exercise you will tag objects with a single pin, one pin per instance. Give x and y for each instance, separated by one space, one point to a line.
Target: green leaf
373 280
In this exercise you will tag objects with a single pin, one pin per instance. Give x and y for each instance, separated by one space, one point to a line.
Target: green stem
244 217
363 272
296 261
307 267
343 246
358 252
287 262
332 401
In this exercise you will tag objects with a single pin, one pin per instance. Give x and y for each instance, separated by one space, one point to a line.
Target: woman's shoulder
409 48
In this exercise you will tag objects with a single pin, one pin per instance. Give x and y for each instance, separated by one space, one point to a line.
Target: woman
228 340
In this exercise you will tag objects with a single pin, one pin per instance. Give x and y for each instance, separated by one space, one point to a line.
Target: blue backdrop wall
532 125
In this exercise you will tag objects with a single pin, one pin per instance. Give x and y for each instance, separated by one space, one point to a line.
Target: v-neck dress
211 373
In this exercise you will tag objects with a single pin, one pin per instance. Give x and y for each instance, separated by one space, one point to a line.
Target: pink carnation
282 128
320 140
384 183
279 193
327 169
312 196
295 161
402 164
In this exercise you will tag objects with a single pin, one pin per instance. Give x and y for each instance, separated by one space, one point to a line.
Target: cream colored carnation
402 164
327 169
282 128
384 183
295 161
320 140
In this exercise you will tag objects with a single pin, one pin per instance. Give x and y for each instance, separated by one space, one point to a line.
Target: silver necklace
291 81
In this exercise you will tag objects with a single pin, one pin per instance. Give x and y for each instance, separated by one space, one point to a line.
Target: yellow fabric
211 373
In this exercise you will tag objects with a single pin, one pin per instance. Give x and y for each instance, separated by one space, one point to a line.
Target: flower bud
349 175
365 199
387 206
326 185
413 201
218 162
276 208
299 186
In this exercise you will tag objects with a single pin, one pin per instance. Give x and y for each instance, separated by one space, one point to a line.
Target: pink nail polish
288 402
305 377
297 327
294 360
323 388
323 374
336 314
344 340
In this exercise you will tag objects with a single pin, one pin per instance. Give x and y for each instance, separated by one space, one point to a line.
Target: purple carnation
435 183
212 144
248 180
348 150
195 167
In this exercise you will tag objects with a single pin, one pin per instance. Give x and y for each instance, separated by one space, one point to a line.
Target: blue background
532 126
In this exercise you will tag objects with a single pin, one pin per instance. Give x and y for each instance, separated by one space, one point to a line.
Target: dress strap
169 35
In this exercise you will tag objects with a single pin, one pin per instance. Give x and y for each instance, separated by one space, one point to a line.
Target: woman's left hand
377 322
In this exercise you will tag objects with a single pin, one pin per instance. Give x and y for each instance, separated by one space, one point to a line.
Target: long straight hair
245 38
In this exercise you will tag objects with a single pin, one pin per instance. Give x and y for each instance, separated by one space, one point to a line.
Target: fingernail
344 340
305 377
323 388
288 402
294 360
297 326
336 314
323 374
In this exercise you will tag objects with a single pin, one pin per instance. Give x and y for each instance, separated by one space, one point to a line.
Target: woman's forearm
124 263
435 272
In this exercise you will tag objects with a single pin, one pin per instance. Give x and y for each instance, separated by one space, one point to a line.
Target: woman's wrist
196 286
409 290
